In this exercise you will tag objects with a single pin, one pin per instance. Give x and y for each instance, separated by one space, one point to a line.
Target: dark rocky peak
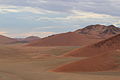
99 30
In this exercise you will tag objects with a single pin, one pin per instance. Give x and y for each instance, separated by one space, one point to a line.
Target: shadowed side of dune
102 62
104 46
102 56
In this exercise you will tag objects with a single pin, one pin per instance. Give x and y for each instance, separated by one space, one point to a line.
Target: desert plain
35 63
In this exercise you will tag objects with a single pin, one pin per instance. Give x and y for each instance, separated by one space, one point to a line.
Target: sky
22 18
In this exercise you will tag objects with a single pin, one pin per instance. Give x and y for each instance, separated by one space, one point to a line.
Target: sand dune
104 46
6 40
103 56
65 39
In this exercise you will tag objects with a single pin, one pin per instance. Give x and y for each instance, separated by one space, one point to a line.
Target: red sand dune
98 48
6 40
106 58
65 39
102 62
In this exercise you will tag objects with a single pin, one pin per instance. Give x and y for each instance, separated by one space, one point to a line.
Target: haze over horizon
21 18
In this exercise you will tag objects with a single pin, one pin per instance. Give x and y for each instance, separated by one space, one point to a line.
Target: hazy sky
20 18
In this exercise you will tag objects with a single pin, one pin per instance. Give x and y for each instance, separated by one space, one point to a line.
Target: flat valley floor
18 62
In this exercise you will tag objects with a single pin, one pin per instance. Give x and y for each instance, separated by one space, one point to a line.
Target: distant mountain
27 39
6 40
65 39
99 30
80 37
102 56
32 38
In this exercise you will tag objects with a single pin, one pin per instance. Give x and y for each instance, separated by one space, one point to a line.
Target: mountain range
80 37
